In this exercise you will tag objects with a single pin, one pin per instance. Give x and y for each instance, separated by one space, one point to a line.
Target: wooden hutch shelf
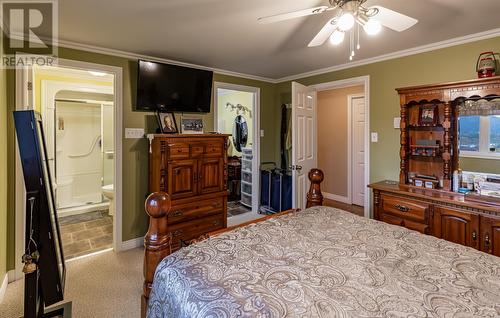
429 148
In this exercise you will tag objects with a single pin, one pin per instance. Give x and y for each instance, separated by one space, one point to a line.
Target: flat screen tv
173 88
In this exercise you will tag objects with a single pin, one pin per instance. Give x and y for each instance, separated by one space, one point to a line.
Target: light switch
134 133
397 122
262 133
374 137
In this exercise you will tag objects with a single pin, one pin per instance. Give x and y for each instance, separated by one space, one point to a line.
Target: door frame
256 133
355 81
24 100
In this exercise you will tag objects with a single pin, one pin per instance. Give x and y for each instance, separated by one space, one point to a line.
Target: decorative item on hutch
486 65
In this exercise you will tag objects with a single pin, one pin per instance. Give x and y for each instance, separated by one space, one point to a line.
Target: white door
304 142
358 150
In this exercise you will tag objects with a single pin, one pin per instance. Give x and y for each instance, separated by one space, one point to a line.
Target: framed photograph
428 115
192 126
167 123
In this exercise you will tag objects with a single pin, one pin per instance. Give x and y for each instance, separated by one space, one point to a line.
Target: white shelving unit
246 177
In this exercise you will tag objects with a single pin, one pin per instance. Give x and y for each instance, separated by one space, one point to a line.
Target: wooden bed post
314 196
156 241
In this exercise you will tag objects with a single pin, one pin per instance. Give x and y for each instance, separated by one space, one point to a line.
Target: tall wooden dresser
192 169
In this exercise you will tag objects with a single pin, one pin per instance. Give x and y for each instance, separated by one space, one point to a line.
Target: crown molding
130 55
394 55
412 51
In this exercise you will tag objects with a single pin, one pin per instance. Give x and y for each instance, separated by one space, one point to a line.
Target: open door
304 140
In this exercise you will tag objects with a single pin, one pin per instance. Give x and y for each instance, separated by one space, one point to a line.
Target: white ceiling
225 34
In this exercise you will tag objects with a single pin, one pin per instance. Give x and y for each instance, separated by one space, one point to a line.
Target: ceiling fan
351 14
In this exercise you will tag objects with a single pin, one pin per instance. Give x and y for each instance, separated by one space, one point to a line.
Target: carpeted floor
103 285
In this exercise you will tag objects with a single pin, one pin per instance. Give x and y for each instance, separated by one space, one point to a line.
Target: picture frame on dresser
192 126
166 122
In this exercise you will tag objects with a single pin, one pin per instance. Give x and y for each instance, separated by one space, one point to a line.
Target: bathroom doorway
77 112
237 113
80 105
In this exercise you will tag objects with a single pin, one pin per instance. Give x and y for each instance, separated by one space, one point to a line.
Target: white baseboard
13 276
3 287
134 243
336 197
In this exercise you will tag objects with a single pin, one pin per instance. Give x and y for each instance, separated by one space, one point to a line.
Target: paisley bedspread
324 262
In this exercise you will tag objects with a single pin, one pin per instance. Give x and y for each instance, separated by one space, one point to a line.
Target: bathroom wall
108 143
225 117
78 153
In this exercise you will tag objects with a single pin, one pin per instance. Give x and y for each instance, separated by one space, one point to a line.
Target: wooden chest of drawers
446 215
192 169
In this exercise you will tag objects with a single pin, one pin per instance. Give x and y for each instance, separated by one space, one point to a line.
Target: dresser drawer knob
177 233
402 208
215 223
178 213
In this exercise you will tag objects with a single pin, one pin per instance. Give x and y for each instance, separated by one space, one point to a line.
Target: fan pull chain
358 46
351 45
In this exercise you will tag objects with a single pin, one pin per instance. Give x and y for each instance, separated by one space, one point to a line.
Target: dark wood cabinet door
490 235
210 175
456 226
182 178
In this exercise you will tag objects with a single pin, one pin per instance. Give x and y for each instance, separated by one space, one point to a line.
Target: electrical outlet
262 132
374 137
134 133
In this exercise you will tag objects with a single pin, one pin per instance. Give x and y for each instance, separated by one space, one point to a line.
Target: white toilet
109 192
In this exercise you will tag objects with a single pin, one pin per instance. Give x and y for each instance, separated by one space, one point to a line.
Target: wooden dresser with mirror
447 130
192 169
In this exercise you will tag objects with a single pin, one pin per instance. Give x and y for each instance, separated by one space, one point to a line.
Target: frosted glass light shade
337 37
372 27
346 22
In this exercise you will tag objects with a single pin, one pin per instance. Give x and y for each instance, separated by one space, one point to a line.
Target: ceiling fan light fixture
372 27
337 37
346 21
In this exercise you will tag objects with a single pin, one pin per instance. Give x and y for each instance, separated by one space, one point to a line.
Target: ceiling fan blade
324 34
394 20
293 15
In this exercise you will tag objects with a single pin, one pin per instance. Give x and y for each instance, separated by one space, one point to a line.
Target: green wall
135 151
3 173
450 64
444 65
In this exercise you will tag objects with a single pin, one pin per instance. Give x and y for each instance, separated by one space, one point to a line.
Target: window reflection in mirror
479 135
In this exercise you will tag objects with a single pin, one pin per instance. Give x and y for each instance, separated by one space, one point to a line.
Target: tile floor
86 233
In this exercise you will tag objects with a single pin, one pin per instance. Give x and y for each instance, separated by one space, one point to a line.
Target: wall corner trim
130 55
389 56
3 287
470 38
131 244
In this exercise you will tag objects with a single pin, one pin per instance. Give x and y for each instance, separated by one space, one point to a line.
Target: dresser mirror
479 140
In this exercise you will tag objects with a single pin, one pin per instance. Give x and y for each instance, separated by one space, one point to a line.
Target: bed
324 262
